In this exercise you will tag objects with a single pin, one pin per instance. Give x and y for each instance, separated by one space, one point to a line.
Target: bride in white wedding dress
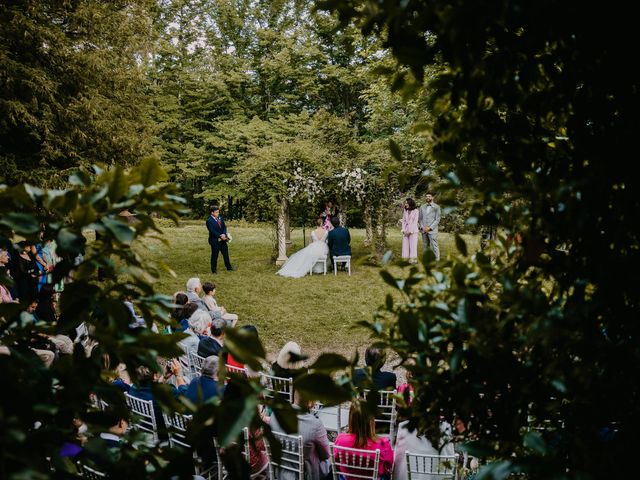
300 263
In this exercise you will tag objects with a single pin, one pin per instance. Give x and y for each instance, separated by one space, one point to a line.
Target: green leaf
330 362
117 185
388 278
148 172
21 223
394 148
69 242
121 231
237 414
535 442
315 386
84 215
245 347
461 245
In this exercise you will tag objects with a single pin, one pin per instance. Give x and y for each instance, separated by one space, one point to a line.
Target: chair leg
349 267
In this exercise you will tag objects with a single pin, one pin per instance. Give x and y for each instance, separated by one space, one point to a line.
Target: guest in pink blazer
410 231
362 435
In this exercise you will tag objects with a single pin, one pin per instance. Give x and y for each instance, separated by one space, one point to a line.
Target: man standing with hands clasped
218 239
428 220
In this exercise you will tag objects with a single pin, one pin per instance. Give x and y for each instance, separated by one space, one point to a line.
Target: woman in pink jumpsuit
410 231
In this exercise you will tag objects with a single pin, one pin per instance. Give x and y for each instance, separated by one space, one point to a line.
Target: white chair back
222 472
431 467
354 463
334 418
232 369
277 386
387 414
91 474
145 419
292 458
176 424
196 362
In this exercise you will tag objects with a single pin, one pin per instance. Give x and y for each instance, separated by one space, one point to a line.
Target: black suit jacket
207 346
214 230
382 380
338 240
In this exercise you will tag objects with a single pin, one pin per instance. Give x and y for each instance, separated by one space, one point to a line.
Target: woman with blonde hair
362 435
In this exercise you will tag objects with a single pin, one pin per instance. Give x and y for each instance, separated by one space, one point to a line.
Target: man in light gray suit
314 443
428 220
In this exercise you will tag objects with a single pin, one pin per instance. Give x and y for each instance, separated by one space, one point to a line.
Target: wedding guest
205 386
185 314
410 231
209 289
374 358
194 287
408 440
191 341
213 344
25 273
314 442
5 292
286 365
428 220
143 388
362 435
232 361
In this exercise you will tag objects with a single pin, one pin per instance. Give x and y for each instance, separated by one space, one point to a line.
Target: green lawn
319 312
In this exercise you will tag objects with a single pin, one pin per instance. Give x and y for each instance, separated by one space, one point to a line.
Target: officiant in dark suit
338 239
218 239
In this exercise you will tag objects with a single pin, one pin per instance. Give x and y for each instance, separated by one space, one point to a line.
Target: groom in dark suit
338 239
218 239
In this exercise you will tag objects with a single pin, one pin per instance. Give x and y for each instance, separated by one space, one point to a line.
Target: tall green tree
72 86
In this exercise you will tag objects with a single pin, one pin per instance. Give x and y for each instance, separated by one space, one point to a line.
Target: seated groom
338 239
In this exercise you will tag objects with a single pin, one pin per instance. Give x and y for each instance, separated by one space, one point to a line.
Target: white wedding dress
300 263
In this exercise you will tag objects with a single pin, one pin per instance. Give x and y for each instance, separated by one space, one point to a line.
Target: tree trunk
368 225
487 234
287 227
342 213
380 243
281 234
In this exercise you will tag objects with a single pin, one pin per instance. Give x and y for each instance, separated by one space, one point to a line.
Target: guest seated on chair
408 440
191 342
315 443
204 387
374 358
288 365
218 312
194 287
142 389
362 435
210 332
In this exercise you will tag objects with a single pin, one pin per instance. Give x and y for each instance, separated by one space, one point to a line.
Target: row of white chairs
363 463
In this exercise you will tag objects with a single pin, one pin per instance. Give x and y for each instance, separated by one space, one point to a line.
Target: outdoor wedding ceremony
326 240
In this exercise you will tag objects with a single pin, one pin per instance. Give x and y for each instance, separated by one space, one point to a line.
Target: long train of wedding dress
300 263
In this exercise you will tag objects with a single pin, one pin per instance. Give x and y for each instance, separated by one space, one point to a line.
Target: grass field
319 312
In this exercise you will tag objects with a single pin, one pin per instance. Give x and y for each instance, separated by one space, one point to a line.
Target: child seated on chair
220 312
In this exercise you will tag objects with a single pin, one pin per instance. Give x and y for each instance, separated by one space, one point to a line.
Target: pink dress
386 452
410 233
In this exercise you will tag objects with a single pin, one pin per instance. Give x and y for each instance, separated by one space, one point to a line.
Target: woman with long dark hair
362 435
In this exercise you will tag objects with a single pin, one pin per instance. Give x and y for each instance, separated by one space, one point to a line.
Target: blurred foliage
72 87
40 404
534 113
